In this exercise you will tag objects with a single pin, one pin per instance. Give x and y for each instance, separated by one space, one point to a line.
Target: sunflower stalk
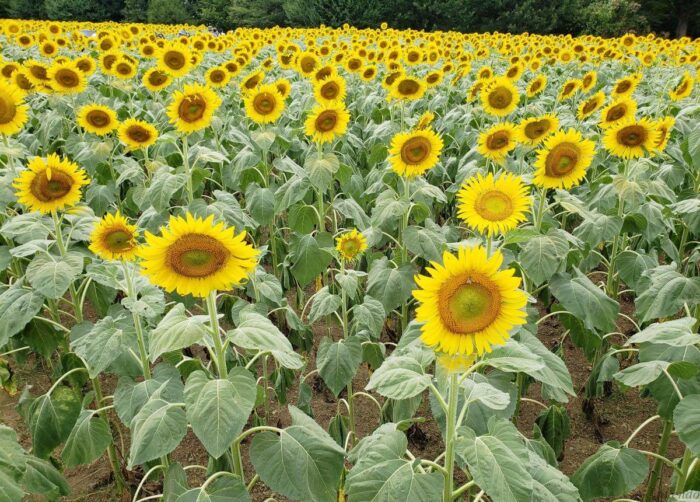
346 333
143 354
120 484
74 297
188 169
658 464
451 426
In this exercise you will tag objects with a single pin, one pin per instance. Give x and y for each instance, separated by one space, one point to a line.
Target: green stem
540 209
111 451
216 336
611 285
519 382
685 464
266 399
74 297
344 308
188 171
404 250
143 354
656 470
450 437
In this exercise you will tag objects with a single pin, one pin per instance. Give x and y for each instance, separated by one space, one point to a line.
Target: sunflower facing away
196 256
499 97
136 133
467 304
97 119
415 152
50 184
563 160
350 244
534 130
327 121
13 111
497 141
493 205
631 139
193 108
113 238
264 105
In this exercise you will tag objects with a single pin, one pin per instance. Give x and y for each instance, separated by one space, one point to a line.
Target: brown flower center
217 76
497 140
468 303
494 205
415 150
354 64
138 134
561 160
534 130
616 113
47 190
98 118
119 240
680 89
326 121
307 64
8 110
67 78
174 60
500 98
633 135
535 86
264 103
623 86
590 105
330 90
157 78
196 255
408 87
192 108
38 72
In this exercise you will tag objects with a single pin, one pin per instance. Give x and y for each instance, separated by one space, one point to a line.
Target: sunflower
493 205
50 184
175 59
569 89
265 105
350 244
86 64
284 87
631 138
13 111
195 256
425 120
307 63
618 111
97 119
626 85
124 69
563 160
327 121
590 105
217 76
664 127
38 72
413 153
534 130
136 133
497 141
589 80
156 79
536 86
499 97
467 304
683 89
193 108
66 78
408 88
113 238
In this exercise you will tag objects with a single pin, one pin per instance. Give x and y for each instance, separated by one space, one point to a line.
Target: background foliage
674 18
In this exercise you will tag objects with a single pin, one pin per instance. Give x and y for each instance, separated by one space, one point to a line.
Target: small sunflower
493 205
631 139
563 160
196 256
13 111
467 304
589 80
330 89
415 152
136 133
534 130
625 86
569 89
499 97
193 108
683 89
264 105
217 76
113 238
617 111
350 244
124 69
408 88
497 141
536 85
425 120
156 79
97 119
50 184
664 127
175 59
66 78
589 106
284 87
327 121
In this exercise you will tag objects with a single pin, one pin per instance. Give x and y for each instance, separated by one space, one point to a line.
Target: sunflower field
340 264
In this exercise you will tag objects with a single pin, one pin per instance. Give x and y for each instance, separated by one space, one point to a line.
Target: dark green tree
262 13
360 13
678 18
83 10
135 11
167 12
22 9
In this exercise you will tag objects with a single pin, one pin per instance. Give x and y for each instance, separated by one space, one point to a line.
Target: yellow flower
664 127
124 68
265 105
49 184
307 62
534 130
136 133
156 79
683 89
193 108
569 89
499 97
13 111
350 244
626 85
493 205
467 304
590 105
589 80
415 152
425 120
97 119
175 59
408 88
195 256
536 86
497 141
217 76
618 111
66 78
563 160
327 121
113 238
631 138
284 87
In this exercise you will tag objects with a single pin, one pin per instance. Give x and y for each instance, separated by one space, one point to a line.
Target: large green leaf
256 332
260 203
218 409
612 471
321 169
325 303
309 259
391 286
156 430
630 266
337 362
370 315
176 331
424 242
222 489
130 396
18 306
586 301
542 256
394 481
663 291
302 462
677 333
52 275
102 345
399 377
89 438
51 419
43 478
687 421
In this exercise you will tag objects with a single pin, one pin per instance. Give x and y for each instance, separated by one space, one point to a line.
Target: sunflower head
350 245
66 78
113 238
175 59
136 133
327 121
425 120
408 88
664 127
192 108
499 97
493 205
569 88
264 105
50 184
626 85
467 304
97 119
683 88
536 85
563 160
617 111
631 138
156 79
497 141
13 111
415 152
217 76
534 130
284 87
196 256
588 107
